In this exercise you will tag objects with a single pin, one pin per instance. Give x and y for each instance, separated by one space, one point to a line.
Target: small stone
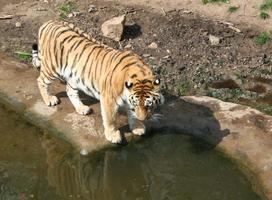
70 15
92 8
128 46
214 40
84 152
145 55
114 28
168 51
153 45
18 24
41 9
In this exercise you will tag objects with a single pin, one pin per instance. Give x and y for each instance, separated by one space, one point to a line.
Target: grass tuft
24 56
264 15
233 9
263 38
183 88
215 1
66 8
267 5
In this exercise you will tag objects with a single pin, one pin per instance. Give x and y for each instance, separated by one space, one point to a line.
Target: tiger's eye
157 81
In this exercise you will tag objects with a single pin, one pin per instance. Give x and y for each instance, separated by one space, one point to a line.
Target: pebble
70 15
41 9
128 46
18 24
214 40
145 55
153 45
84 152
92 8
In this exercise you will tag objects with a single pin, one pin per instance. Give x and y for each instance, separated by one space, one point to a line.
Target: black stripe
45 26
97 62
82 40
106 53
128 65
120 62
84 48
91 64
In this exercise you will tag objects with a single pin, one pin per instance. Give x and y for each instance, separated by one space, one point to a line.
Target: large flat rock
242 133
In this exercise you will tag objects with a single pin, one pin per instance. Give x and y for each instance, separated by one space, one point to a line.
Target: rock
41 9
70 15
145 55
114 28
214 40
153 45
92 8
18 24
128 46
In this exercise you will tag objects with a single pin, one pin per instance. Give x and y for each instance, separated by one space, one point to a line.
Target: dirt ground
237 69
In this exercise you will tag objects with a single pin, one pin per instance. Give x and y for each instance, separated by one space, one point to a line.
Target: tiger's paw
138 131
83 110
113 136
52 101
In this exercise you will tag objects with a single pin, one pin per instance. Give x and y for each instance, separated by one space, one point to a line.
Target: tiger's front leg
109 111
136 126
77 103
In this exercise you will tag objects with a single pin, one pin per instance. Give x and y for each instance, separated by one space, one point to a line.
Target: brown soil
185 59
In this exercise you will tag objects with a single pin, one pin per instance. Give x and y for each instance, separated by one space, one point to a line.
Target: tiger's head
143 92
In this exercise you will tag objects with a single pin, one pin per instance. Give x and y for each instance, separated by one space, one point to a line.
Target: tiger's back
69 54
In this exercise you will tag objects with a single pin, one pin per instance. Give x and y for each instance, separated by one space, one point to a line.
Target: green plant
265 108
183 88
266 5
263 38
264 15
66 8
24 56
215 1
233 9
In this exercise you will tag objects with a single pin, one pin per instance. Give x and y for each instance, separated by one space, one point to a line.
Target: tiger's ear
128 85
157 81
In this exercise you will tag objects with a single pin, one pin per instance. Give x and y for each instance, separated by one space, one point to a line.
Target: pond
36 165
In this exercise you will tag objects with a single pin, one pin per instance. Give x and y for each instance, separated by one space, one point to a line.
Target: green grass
66 8
264 15
215 1
233 9
267 5
263 38
24 56
265 108
183 88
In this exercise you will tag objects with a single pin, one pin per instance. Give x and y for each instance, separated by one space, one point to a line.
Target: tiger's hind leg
77 103
137 127
43 84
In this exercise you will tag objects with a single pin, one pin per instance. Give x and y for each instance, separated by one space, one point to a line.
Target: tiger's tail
36 62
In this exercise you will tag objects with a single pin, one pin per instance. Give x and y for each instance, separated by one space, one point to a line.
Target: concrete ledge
242 133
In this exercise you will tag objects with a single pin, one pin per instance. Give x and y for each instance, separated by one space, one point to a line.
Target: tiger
116 78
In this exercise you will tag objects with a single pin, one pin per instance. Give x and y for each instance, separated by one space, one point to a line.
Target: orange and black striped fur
114 77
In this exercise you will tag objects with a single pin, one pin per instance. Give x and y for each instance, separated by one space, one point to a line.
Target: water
35 165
